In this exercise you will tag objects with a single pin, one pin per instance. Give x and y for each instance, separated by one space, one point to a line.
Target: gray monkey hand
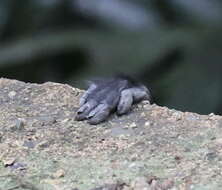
105 96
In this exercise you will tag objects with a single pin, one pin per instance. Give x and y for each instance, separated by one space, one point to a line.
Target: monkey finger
84 110
125 102
96 110
140 93
99 114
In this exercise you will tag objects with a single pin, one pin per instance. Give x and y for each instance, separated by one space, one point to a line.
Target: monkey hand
106 96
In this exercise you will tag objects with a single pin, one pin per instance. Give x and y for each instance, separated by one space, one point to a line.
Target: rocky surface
153 147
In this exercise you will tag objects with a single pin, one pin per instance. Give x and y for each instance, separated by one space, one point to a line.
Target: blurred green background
172 46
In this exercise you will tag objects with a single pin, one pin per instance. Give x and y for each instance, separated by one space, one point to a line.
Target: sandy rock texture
151 148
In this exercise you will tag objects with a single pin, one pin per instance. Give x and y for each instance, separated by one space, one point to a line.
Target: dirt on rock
42 147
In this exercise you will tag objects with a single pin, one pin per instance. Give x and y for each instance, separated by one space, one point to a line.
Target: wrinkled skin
105 96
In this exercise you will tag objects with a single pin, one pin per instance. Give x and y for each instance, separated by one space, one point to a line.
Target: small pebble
12 94
8 161
147 123
133 125
211 114
43 144
59 173
143 114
